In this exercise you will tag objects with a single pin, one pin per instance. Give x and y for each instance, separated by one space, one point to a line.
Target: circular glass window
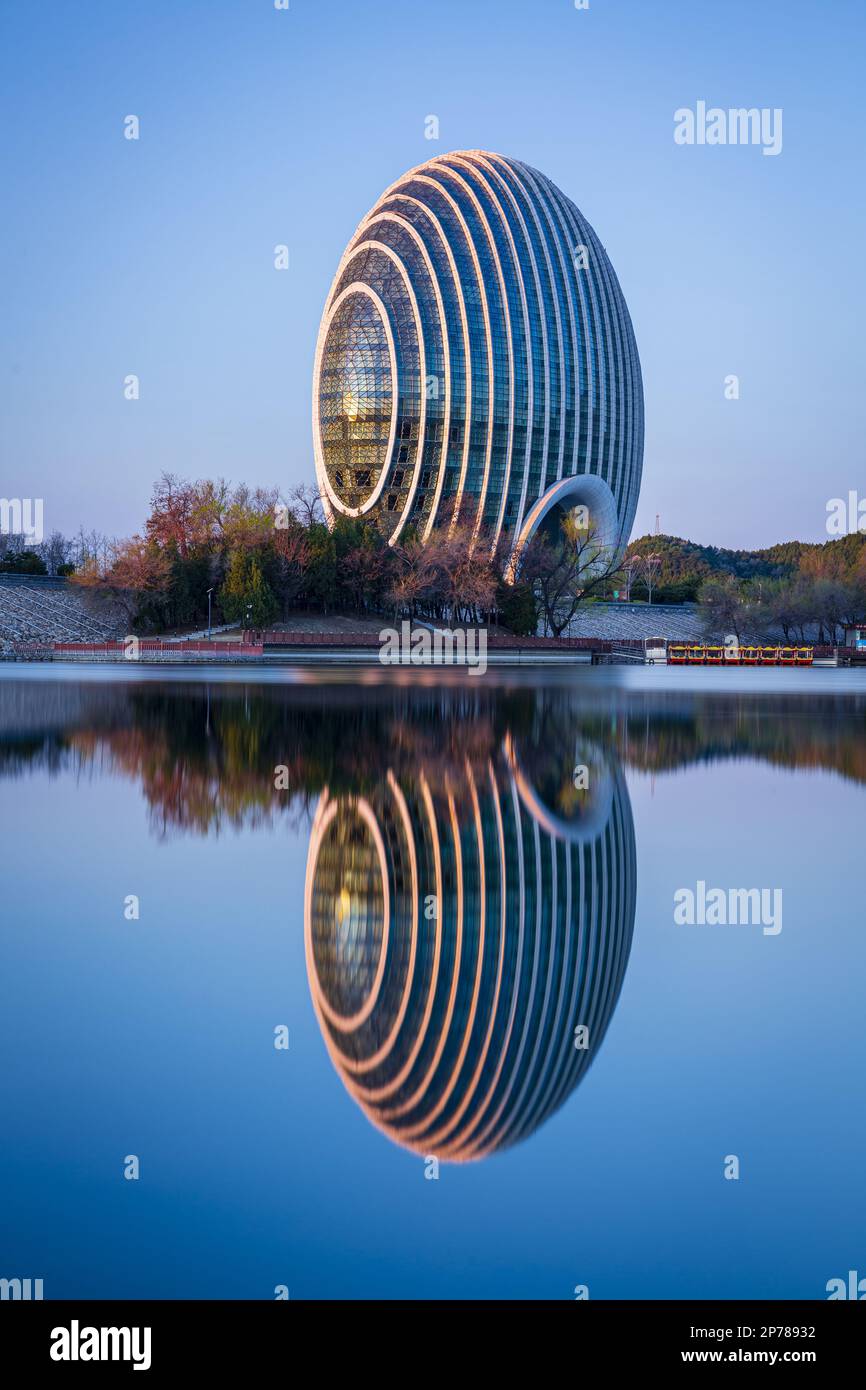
356 399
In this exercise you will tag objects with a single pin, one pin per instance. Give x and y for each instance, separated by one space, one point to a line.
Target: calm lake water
509 1069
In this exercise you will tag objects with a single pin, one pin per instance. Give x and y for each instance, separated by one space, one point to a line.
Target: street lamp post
209 592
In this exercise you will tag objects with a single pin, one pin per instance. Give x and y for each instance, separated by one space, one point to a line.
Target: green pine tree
260 605
232 595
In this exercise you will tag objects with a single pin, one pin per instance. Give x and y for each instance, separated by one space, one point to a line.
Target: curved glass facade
460 926
476 363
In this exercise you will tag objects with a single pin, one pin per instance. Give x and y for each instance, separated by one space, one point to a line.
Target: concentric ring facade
457 933
476 364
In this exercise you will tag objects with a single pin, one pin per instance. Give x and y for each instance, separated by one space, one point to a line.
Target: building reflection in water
468 908
460 926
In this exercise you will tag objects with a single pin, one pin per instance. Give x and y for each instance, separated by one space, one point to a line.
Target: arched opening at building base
597 513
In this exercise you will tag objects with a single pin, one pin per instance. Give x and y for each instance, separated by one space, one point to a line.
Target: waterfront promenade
43 611
45 619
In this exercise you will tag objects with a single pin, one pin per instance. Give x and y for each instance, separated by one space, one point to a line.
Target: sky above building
261 127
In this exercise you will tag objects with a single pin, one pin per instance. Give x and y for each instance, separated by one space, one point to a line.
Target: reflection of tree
828 734
206 757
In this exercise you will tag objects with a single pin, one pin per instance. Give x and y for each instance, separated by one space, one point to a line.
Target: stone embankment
47 610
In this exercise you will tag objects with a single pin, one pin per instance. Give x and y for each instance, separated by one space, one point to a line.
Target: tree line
814 603
261 555
56 555
680 567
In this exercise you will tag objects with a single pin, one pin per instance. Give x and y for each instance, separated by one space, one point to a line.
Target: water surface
440 889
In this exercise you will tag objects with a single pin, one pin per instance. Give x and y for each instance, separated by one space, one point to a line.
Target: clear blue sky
261 126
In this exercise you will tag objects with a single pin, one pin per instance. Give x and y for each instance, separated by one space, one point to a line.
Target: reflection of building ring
352 911
502 936
591 822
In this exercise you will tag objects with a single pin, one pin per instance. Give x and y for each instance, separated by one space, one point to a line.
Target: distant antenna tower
658 525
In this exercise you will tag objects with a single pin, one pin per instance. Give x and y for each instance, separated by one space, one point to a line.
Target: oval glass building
476 364
461 933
